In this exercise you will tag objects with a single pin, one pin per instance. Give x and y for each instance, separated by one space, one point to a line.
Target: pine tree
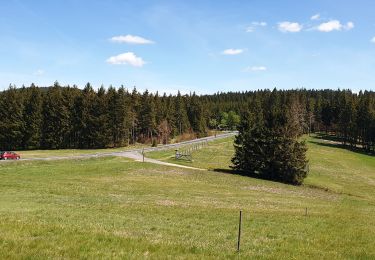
169 115
100 132
118 110
55 119
196 116
268 149
32 118
11 119
181 120
134 115
86 116
147 120
364 120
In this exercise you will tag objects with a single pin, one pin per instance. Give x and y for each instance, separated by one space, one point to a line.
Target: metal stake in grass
239 233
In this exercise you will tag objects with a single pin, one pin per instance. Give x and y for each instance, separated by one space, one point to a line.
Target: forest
59 117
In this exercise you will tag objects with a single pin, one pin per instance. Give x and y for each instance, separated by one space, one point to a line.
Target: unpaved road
136 154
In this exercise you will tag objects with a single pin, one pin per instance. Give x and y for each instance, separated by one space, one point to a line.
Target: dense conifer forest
68 117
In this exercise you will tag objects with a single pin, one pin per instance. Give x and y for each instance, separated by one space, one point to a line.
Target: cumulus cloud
315 17
254 25
373 39
290 27
131 39
334 25
126 58
232 51
255 68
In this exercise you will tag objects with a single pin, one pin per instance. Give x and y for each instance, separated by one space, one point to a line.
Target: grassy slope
111 207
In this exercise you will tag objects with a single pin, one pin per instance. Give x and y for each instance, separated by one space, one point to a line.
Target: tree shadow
327 137
333 141
247 174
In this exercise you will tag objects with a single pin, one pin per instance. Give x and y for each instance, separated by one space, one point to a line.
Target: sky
202 46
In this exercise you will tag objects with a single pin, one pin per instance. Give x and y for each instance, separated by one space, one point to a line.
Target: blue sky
202 46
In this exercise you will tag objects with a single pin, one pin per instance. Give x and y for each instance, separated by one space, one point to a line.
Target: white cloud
126 58
132 39
254 25
349 26
335 25
255 68
373 39
39 72
289 27
315 17
232 51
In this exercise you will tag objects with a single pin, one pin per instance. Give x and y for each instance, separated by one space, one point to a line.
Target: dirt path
137 156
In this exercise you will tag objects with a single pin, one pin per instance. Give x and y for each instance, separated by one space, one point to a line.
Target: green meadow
113 207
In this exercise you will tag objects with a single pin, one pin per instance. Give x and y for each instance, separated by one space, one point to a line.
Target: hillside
116 208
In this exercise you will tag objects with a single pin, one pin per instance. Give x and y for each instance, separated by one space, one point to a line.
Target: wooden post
306 211
239 232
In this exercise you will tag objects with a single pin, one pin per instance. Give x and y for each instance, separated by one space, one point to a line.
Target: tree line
69 117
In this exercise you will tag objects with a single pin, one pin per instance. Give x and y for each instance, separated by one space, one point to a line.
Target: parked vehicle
9 156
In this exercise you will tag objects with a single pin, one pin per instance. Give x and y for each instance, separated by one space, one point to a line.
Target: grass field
115 208
28 154
215 154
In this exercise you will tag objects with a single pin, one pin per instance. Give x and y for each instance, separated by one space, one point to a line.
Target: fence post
239 232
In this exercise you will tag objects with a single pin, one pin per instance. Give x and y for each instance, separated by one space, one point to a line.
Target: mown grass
116 208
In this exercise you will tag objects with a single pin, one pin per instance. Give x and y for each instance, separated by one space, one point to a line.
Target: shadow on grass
333 141
247 174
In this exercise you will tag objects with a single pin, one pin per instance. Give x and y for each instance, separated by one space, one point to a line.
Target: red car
9 156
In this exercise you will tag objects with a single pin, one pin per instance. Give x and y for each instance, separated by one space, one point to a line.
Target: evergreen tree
118 109
196 116
134 115
11 119
181 120
147 120
55 119
32 115
268 150
100 132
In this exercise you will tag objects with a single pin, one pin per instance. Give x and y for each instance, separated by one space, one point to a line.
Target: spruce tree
32 118
11 119
267 148
55 119
147 120
181 120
